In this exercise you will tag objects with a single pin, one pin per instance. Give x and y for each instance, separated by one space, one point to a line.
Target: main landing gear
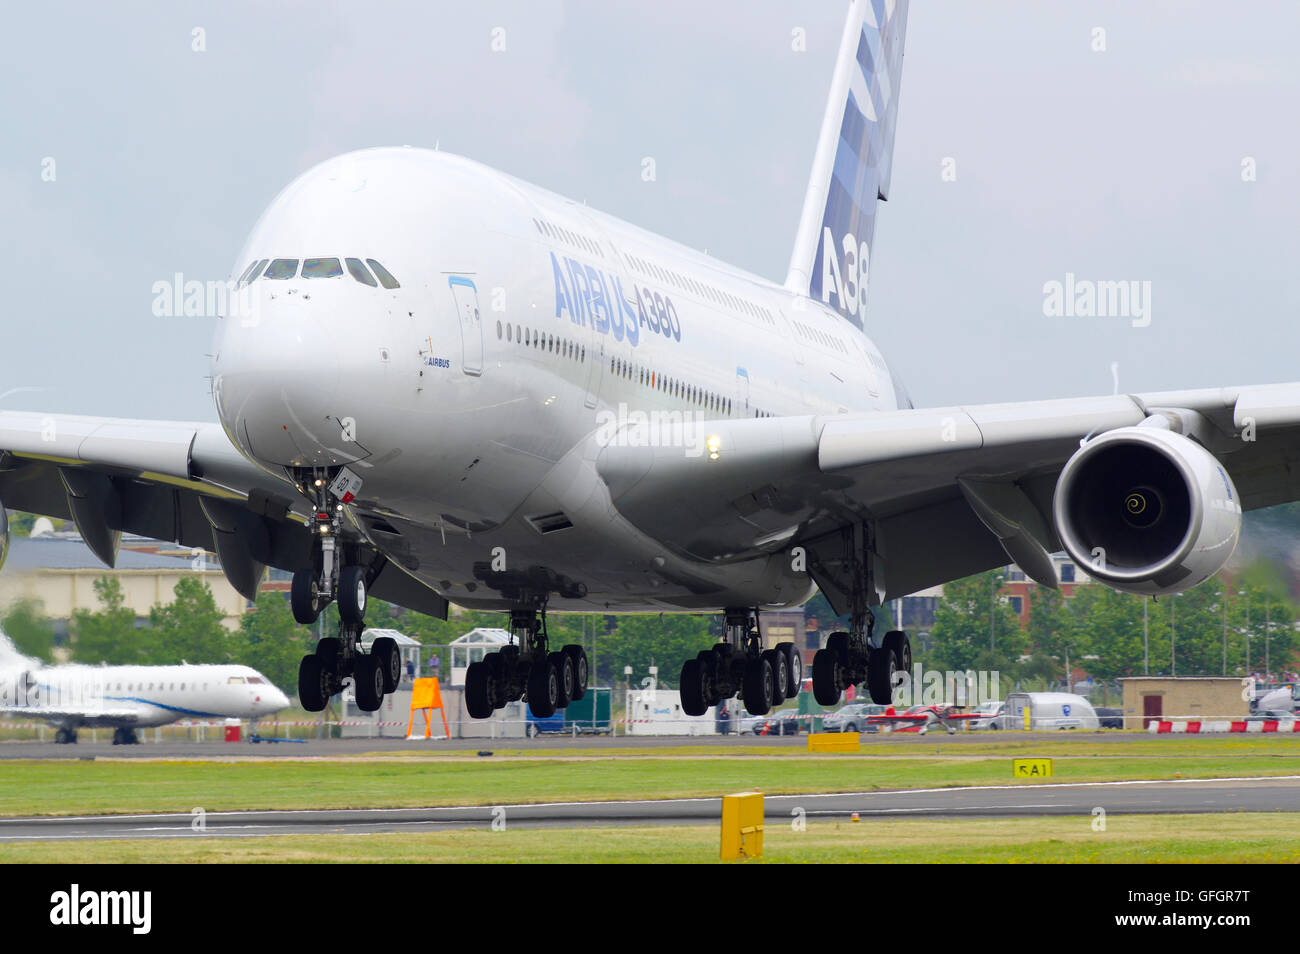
762 677
337 574
66 736
527 668
859 655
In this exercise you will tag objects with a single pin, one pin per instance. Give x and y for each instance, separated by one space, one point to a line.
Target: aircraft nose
273 700
275 378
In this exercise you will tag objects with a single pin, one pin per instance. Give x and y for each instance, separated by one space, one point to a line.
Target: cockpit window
385 277
282 268
255 679
256 271
321 268
244 277
360 272
236 680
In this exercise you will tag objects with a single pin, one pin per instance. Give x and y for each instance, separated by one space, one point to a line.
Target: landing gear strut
336 572
762 677
859 655
527 668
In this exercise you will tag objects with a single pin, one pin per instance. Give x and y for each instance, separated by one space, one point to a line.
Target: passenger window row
569 237
821 337
543 342
700 289
280 269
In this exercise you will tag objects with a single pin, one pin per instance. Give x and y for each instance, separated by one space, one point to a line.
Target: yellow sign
742 826
1031 768
833 741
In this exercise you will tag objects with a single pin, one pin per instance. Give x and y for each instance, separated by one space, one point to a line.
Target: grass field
1233 838
431 777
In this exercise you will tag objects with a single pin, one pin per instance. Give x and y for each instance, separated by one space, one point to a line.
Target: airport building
1153 698
58 571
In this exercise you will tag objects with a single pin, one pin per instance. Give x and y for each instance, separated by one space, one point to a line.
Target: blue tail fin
832 252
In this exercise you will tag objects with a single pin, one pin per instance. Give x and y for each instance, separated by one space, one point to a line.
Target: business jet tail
832 251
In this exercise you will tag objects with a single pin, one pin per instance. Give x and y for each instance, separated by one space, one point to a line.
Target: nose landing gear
338 574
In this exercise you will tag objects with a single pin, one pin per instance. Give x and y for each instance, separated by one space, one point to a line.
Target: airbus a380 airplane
424 402
126 698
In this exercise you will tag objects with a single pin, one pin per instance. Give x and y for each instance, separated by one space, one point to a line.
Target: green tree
109 635
271 641
29 630
974 627
189 628
643 640
1108 627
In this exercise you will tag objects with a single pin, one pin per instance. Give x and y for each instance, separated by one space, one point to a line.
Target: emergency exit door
465 295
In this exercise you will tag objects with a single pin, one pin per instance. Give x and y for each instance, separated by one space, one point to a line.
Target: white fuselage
137 696
462 433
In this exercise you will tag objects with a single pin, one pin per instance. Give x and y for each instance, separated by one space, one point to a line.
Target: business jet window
321 268
252 679
385 277
236 680
282 268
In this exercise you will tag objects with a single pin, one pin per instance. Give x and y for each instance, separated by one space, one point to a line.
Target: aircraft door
465 296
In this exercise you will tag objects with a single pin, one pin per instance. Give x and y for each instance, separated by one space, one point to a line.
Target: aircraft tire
826 683
565 677
312 694
780 676
543 688
478 695
793 669
352 595
369 682
302 597
692 687
581 670
389 657
758 688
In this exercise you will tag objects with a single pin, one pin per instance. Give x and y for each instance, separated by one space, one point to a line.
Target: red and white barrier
1205 726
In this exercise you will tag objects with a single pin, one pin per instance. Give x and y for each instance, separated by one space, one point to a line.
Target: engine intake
1147 511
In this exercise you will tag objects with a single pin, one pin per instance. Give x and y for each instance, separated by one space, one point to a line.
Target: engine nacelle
1147 511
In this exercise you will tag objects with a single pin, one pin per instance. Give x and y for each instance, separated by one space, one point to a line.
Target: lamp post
1146 656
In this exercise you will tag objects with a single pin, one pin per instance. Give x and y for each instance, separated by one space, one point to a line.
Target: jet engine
1147 510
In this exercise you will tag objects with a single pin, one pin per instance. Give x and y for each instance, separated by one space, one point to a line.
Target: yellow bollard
1028 711
742 826
833 741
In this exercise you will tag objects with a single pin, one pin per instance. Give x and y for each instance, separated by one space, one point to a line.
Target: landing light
713 444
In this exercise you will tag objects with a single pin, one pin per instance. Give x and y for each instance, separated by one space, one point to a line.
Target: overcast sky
1122 164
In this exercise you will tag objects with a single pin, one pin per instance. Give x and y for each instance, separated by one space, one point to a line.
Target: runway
1031 800
324 748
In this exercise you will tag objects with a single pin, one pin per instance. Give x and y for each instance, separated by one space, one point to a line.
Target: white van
1049 710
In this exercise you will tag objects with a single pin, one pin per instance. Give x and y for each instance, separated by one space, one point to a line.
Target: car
990 715
1110 718
785 722
851 718
1271 715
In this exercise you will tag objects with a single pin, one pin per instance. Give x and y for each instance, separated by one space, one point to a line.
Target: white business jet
126 698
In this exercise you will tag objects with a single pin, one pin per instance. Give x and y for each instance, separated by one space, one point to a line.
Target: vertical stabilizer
832 250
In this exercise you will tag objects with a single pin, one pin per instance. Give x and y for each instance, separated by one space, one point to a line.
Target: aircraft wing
170 480
951 491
